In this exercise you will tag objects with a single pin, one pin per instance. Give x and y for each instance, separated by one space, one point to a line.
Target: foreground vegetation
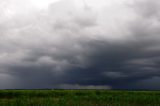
78 98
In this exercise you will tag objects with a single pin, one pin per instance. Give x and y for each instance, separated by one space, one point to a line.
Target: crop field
78 98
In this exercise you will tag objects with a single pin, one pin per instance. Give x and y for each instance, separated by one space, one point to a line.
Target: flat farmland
79 98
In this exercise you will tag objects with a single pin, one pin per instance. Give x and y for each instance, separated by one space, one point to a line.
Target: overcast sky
80 44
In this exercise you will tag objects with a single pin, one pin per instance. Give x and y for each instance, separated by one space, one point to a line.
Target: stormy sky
80 44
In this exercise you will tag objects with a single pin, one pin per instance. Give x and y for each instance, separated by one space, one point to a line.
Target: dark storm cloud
113 45
113 65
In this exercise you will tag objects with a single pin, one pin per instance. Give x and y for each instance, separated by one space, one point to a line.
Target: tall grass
78 98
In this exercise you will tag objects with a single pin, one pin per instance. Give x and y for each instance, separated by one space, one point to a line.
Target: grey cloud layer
69 46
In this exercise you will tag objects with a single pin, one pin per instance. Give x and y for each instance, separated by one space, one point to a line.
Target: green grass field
78 98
